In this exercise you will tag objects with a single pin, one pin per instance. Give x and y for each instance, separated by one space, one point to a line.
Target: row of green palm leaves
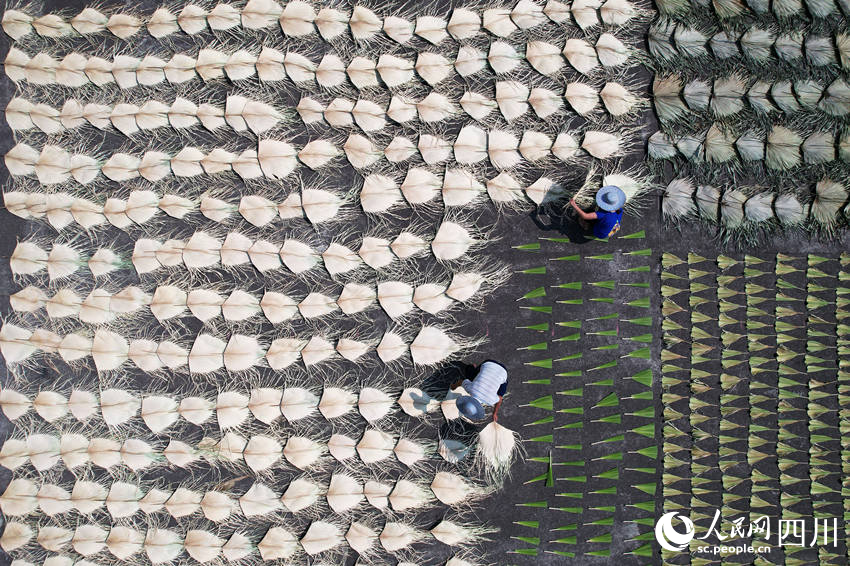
565 469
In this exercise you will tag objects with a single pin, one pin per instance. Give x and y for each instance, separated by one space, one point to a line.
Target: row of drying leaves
763 327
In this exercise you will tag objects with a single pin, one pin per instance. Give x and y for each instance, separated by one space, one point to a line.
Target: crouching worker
606 221
484 391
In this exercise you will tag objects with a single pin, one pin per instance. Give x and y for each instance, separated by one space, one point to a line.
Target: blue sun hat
470 408
610 198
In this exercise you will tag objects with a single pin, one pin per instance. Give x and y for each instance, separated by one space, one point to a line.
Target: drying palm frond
757 43
666 96
842 42
782 149
697 94
690 42
679 199
759 207
787 8
692 146
808 93
783 94
788 209
829 199
750 146
728 8
836 100
673 7
719 145
757 97
820 50
818 148
724 44
660 39
661 146
789 45
708 201
669 260
728 95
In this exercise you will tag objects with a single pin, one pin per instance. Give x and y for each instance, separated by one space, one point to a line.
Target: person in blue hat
485 390
606 221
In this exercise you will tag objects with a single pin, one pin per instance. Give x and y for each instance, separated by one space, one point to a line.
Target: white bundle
401 30
463 24
344 492
160 546
546 102
410 452
535 146
17 24
377 494
397 536
503 58
512 99
496 450
396 71
617 12
453 489
601 145
460 187
379 193
544 57
407 495
498 22
581 55
470 145
278 543
617 99
43 452
321 536
431 29
502 149
611 51
432 68
469 60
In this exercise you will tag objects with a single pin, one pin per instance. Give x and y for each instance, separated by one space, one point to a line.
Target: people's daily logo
675 533
667 535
